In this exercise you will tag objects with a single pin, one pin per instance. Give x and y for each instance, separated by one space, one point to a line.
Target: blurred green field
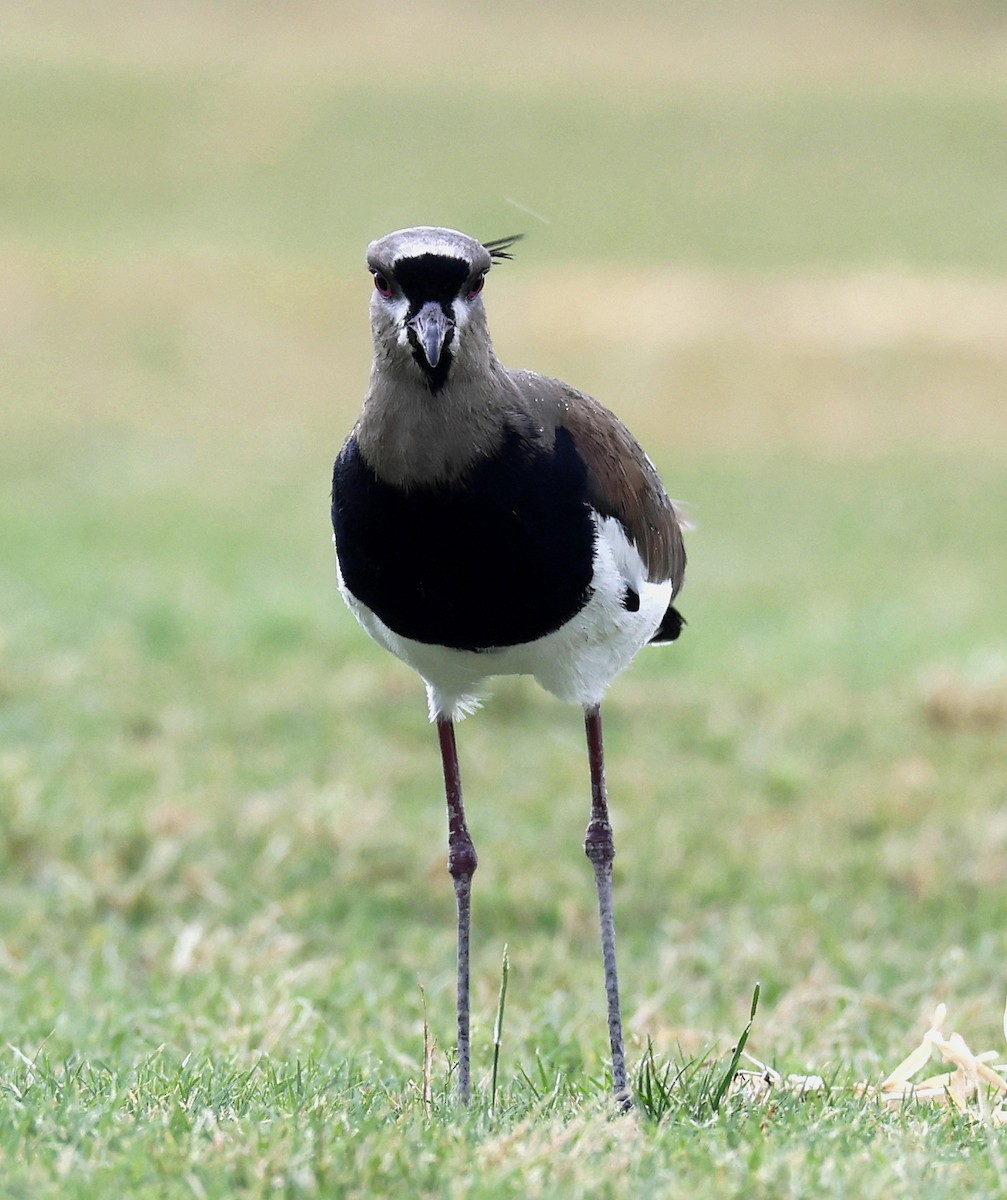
772 238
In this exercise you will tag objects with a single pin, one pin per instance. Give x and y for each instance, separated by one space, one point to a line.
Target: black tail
670 627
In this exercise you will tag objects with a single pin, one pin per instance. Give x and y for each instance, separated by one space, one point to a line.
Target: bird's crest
499 248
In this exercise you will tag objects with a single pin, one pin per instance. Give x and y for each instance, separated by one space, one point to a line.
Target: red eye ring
382 286
476 287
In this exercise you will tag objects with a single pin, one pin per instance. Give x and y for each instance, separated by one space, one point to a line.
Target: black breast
500 557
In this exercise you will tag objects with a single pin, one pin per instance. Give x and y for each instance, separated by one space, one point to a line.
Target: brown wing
622 481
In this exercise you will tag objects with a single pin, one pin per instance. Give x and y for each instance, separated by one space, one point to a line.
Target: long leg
600 849
462 863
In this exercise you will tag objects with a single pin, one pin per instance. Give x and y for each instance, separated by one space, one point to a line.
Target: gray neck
410 435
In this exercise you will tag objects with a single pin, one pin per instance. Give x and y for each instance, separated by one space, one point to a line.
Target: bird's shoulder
622 481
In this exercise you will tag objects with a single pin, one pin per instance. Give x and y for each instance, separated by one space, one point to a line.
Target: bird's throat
435 376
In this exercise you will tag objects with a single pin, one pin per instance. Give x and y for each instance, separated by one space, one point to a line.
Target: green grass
701 178
226 946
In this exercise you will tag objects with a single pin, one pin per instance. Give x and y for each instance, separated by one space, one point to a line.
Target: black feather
499 247
670 627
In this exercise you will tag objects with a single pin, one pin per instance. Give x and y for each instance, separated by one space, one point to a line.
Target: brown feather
622 481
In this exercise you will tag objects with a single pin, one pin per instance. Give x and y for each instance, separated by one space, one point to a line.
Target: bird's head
427 311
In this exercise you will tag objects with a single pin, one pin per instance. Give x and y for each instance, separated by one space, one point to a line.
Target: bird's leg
600 849
462 863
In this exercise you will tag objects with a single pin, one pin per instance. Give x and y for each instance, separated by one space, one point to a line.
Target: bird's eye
382 286
476 287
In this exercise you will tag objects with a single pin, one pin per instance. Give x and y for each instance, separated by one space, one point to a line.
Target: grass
226 948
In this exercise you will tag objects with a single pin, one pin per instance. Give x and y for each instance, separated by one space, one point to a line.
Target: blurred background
771 236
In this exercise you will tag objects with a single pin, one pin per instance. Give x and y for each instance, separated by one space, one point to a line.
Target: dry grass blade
966 1086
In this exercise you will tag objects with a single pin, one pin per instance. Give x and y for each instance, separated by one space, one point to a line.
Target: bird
490 521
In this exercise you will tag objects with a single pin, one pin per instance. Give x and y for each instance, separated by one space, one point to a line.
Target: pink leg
462 863
600 849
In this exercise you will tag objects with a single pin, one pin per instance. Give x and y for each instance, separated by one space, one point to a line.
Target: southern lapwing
496 522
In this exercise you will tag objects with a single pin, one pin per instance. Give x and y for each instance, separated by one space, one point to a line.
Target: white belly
576 662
